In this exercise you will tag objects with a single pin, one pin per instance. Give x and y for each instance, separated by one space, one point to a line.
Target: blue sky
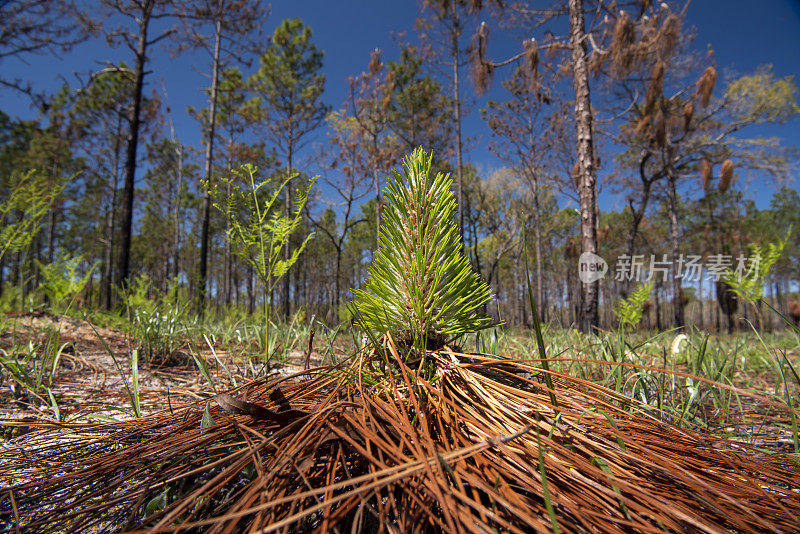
743 33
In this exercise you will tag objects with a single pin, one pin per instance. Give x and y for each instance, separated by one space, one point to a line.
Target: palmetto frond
421 287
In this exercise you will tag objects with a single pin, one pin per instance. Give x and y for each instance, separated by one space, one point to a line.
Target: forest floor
88 382
733 391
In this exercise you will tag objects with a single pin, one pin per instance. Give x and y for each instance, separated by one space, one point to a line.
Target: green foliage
760 98
21 213
61 281
629 310
30 370
750 285
10 299
258 229
288 85
421 288
419 111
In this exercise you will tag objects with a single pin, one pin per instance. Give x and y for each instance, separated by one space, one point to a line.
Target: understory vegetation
423 414
601 336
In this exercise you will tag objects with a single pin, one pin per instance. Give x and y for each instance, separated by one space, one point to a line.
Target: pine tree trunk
209 161
672 207
134 121
176 251
228 276
108 252
587 189
457 119
658 308
376 186
111 223
251 292
337 284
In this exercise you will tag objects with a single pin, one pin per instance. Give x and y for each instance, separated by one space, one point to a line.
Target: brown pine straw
452 443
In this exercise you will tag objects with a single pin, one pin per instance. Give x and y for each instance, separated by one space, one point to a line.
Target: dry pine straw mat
472 445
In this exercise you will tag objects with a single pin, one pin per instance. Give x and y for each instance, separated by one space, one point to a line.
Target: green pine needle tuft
421 288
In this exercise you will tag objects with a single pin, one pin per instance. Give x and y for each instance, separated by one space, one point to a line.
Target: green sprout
421 288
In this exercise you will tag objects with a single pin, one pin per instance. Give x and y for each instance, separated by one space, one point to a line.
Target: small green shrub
259 231
21 213
629 310
61 281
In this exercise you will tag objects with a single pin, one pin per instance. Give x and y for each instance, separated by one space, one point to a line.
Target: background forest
612 98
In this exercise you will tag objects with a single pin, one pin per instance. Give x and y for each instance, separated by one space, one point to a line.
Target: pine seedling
421 288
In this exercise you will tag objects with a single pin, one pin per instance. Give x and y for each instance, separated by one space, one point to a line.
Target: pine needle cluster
421 288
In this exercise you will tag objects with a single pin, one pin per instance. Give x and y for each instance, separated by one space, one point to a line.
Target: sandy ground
88 382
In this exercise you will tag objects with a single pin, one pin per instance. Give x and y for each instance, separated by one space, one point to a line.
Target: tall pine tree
288 89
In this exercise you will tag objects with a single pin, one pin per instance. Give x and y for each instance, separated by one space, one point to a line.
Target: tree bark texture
587 187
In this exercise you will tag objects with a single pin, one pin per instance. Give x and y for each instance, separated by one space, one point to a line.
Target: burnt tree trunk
209 161
587 186
134 120
674 241
728 303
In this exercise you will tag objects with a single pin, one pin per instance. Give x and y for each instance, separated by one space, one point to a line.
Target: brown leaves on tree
687 113
668 35
705 85
576 174
643 127
660 131
725 175
655 87
622 45
375 64
705 173
482 70
531 58
603 232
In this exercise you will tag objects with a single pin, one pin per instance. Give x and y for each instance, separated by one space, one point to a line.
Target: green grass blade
545 490
537 326
137 409
114 358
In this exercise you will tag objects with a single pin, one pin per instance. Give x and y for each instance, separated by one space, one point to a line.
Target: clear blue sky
743 33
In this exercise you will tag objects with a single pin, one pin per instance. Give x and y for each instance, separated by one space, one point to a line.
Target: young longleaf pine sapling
421 288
